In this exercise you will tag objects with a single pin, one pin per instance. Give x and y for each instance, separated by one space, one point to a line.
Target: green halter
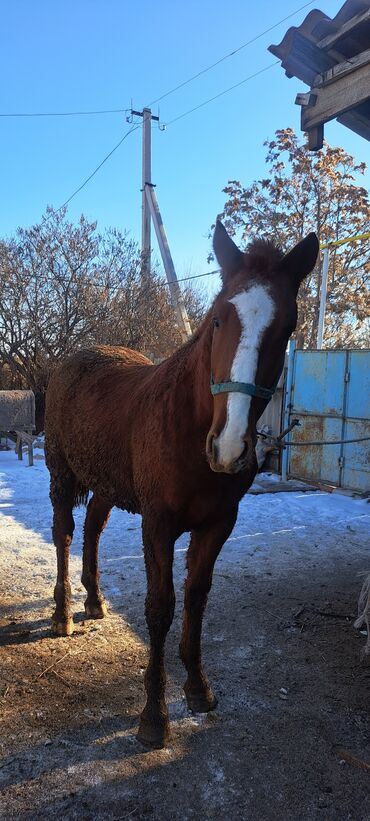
244 387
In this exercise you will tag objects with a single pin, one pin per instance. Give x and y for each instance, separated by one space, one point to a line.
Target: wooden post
175 290
18 447
30 449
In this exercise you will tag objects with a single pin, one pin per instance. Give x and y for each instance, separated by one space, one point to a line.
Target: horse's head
253 318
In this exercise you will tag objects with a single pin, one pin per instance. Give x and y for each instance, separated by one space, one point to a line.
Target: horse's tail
364 611
81 494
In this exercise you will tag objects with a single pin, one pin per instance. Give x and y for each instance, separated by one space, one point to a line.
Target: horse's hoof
153 737
201 702
96 611
62 628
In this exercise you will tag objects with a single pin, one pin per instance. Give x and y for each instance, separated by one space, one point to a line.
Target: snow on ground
275 520
290 736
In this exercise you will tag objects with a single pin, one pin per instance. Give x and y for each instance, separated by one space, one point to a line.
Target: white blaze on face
255 309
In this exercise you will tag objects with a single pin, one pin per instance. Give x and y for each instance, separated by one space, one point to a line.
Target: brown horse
176 443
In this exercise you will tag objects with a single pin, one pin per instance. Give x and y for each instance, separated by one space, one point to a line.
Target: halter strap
242 387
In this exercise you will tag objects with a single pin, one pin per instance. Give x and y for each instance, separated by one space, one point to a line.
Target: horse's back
90 404
88 368
92 362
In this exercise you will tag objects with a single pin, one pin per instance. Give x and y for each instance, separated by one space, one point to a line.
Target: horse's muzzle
242 463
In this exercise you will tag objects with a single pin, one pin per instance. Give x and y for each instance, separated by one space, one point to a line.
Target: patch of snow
273 534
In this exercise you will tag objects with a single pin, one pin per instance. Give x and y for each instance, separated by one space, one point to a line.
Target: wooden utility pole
175 290
150 210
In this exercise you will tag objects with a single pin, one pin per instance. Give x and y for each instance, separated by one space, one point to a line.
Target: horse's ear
228 255
301 260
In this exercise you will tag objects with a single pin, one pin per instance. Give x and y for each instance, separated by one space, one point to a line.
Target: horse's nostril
211 447
214 451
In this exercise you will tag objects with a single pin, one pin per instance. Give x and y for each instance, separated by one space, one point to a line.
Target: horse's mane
262 255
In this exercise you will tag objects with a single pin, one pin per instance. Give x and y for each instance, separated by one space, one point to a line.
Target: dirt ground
290 736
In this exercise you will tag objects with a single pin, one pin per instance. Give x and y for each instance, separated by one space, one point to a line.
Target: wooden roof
333 57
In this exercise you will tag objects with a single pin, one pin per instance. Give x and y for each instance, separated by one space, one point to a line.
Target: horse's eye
215 321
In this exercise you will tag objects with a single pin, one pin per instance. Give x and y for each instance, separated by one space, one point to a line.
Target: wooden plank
26 436
343 94
345 30
342 68
301 57
356 122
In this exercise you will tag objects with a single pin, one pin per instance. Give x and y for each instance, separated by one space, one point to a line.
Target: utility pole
146 177
150 210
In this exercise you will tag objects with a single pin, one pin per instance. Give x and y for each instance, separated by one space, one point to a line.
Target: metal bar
345 405
175 290
288 406
344 241
323 291
324 442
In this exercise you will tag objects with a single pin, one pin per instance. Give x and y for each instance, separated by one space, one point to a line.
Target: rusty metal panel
358 400
318 382
356 456
316 463
331 396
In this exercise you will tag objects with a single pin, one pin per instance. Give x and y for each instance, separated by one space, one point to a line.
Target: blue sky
68 55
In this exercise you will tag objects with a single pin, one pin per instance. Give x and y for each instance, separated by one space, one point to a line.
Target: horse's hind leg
62 491
96 519
205 546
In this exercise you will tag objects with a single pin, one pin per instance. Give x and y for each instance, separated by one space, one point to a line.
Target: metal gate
329 392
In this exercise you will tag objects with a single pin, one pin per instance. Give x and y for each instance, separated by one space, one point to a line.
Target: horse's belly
113 482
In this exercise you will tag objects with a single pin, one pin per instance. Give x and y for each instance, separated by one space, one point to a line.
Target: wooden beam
316 138
357 122
343 93
301 57
342 69
345 30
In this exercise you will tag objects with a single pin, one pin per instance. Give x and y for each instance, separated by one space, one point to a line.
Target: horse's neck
193 363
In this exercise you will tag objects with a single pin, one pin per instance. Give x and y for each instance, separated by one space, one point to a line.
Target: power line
66 113
221 93
171 90
185 113
198 276
134 128
98 284
180 116
230 54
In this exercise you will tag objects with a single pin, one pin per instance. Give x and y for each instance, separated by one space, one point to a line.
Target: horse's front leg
205 546
159 610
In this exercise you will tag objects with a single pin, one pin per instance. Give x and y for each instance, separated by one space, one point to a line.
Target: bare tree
64 286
